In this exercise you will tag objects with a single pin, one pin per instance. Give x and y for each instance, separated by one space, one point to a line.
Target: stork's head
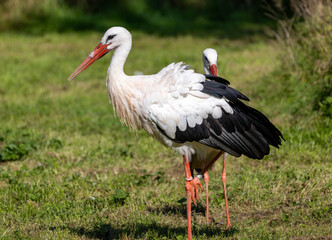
112 39
210 57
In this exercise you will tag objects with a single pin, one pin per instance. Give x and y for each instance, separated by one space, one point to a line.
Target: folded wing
212 113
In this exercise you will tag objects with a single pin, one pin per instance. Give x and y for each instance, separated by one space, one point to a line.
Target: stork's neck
115 70
121 89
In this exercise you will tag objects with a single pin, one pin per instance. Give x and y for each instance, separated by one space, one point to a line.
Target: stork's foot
196 183
192 186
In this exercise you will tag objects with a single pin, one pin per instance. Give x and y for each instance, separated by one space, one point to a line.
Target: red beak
213 70
97 53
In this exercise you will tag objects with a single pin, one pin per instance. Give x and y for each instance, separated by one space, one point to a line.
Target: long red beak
213 70
97 53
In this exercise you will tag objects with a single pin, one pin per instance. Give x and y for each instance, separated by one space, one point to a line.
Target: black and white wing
211 113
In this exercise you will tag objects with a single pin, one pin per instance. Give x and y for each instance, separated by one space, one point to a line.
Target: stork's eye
207 61
110 37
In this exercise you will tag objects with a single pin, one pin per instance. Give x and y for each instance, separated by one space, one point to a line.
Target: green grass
69 170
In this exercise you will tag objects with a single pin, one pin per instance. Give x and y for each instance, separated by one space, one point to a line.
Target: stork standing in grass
183 110
210 57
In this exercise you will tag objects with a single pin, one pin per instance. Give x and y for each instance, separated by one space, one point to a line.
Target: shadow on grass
175 209
141 230
107 231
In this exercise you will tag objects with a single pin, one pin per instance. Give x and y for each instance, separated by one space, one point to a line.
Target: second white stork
210 57
182 110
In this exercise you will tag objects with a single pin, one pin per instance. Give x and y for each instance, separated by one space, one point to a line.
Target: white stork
183 110
210 57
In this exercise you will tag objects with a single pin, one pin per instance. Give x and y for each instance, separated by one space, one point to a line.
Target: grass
69 170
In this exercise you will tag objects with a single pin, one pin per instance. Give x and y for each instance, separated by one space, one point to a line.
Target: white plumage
183 110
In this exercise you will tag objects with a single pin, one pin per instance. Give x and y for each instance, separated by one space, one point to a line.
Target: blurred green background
157 17
70 170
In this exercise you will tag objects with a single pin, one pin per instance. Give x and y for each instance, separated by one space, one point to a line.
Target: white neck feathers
121 89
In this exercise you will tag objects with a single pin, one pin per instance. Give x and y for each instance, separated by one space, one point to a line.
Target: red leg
206 180
223 179
197 182
189 189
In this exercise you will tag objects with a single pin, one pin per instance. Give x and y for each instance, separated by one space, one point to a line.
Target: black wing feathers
220 90
245 131
217 79
192 134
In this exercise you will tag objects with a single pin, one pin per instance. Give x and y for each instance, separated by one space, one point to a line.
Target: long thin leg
206 180
188 187
223 179
196 181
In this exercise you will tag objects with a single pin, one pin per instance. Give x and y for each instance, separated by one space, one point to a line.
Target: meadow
70 170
